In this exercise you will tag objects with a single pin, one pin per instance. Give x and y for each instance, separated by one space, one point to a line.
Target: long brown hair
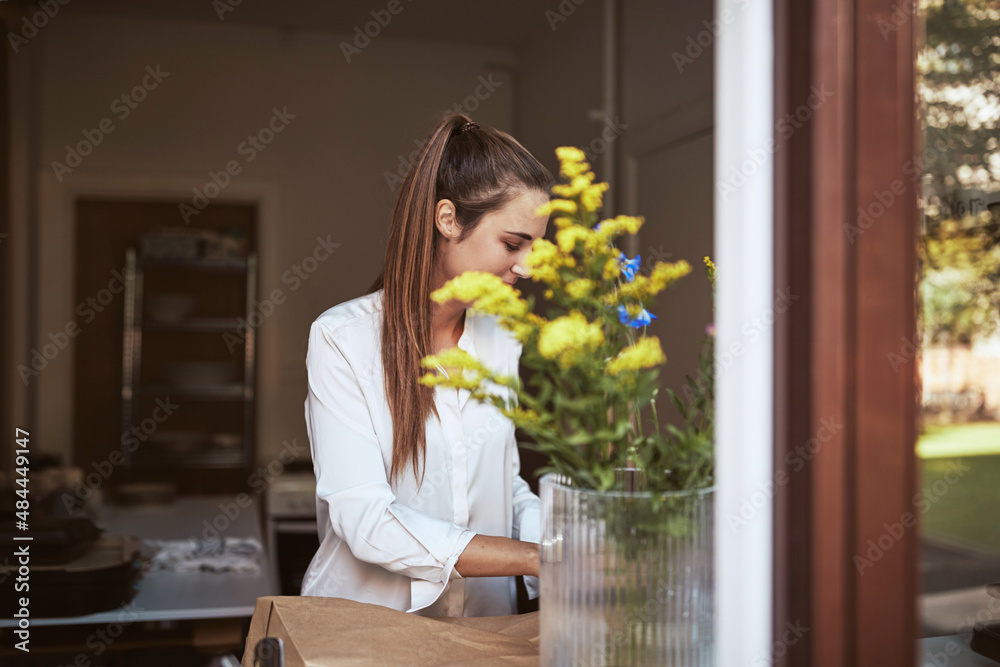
479 169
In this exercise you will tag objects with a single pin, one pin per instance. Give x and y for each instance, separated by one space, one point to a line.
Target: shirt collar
467 340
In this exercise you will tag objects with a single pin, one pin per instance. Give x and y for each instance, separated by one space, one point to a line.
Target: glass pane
958 71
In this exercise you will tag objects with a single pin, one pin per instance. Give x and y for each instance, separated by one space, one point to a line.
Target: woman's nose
520 271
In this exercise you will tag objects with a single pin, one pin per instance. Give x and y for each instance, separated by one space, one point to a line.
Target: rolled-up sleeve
351 479
527 516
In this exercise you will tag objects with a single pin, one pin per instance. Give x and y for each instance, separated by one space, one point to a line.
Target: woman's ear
445 220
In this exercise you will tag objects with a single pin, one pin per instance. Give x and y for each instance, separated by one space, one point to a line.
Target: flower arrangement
595 367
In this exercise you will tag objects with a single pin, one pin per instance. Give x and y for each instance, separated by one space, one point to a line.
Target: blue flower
629 266
641 320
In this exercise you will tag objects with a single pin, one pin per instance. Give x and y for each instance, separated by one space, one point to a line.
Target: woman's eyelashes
512 248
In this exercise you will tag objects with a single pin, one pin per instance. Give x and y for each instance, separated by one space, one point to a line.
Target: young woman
419 499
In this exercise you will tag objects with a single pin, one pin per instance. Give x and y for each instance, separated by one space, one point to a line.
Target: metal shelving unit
209 453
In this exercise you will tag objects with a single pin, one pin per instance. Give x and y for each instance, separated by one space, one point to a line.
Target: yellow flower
568 338
646 353
592 197
593 242
580 288
461 370
711 270
567 237
571 161
522 416
614 227
453 381
612 269
573 169
665 274
570 154
556 206
490 294
545 260
524 328
577 185
454 358
662 276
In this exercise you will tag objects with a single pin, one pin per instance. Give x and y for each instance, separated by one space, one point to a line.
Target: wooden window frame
831 356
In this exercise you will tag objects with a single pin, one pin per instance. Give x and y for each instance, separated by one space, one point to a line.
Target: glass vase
626 578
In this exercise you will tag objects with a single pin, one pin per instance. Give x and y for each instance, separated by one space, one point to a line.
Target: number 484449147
21 438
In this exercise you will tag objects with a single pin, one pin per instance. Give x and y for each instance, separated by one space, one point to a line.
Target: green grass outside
960 440
967 510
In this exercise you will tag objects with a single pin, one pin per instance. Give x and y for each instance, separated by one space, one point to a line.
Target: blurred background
958 351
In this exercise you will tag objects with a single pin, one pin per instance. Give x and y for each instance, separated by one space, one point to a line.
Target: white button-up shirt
390 543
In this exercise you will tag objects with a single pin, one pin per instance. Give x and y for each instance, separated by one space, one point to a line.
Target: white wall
327 167
559 77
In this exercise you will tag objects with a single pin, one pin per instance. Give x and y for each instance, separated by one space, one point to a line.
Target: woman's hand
489 556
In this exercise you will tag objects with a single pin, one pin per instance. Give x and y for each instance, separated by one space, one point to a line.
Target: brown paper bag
320 631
